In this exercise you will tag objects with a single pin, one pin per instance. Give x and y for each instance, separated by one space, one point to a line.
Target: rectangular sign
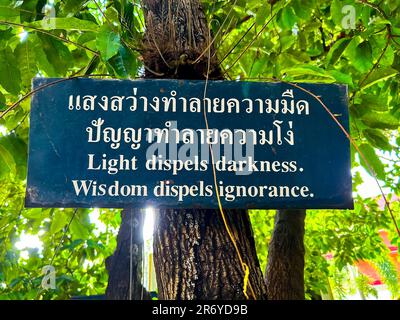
121 143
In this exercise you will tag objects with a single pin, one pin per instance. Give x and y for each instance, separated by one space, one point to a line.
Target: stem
49 34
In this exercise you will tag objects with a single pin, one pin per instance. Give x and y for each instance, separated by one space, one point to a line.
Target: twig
237 43
389 36
26 113
352 141
156 45
49 34
15 104
224 36
376 64
251 42
347 134
63 236
112 25
216 35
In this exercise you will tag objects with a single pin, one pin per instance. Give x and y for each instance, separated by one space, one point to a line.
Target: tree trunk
125 265
193 254
195 259
285 269
176 35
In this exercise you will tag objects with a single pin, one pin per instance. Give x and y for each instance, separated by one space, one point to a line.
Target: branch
15 104
389 38
352 141
376 63
251 42
237 43
374 6
112 26
49 34
216 35
347 134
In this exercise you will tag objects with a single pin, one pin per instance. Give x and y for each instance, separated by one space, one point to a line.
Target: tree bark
176 35
194 257
125 265
284 275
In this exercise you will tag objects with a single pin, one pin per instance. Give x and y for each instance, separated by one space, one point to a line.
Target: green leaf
32 213
80 225
301 72
73 244
60 219
373 160
286 18
7 11
2 102
377 139
337 50
380 120
336 11
302 8
7 164
131 61
28 10
16 281
341 77
57 53
10 77
18 149
117 65
94 62
112 15
378 45
379 75
73 6
130 18
259 66
42 61
87 37
374 102
65 24
25 54
363 57
107 42
262 14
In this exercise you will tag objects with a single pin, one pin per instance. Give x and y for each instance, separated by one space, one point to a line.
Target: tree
301 41
284 275
192 248
125 265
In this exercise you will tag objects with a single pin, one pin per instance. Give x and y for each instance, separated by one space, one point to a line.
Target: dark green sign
110 143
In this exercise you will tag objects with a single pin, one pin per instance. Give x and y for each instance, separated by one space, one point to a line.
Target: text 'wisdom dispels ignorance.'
179 151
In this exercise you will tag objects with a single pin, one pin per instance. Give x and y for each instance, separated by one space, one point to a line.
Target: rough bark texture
125 264
284 275
195 259
176 35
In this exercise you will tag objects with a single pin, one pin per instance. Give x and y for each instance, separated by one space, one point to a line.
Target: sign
120 143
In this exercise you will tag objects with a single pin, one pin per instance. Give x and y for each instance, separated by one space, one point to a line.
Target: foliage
346 236
389 274
293 40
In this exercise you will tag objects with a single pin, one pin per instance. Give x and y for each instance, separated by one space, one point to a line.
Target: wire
245 267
